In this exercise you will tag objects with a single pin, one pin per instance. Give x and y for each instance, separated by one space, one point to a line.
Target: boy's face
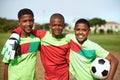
56 25
81 32
26 22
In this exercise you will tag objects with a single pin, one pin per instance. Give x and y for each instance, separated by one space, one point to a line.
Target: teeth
80 36
56 31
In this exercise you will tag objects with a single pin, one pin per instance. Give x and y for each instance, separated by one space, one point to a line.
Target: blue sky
70 9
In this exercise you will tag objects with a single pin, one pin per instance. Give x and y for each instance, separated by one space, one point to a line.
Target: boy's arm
38 33
10 46
114 63
17 30
6 71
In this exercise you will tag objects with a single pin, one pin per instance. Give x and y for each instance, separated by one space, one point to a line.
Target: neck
58 36
24 34
81 41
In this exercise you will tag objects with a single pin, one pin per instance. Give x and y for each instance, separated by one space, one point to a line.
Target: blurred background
103 15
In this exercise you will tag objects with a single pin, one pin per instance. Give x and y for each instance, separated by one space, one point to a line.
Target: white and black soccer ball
100 68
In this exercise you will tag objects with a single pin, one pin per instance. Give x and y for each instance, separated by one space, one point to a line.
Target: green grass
110 42
3 38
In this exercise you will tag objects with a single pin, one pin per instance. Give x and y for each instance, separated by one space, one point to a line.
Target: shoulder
70 36
39 33
90 44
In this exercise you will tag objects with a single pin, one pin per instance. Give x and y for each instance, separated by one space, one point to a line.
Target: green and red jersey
24 63
81 59
54 54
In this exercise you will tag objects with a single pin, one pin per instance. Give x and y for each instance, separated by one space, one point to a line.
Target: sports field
110 42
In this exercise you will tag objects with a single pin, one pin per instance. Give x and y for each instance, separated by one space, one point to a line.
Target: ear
74 28
18 22
89 31
49 26
63 26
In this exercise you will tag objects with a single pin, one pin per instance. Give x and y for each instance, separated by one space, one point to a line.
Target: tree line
7 25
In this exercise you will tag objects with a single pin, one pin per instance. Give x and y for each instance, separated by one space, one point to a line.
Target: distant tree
7 25
66 24
2 21
97 21
46 26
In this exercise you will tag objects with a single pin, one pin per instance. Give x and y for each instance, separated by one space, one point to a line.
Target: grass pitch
110 42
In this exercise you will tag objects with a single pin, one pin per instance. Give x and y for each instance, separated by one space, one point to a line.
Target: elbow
117 62
113 60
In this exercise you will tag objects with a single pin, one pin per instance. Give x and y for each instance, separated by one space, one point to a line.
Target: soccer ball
100 68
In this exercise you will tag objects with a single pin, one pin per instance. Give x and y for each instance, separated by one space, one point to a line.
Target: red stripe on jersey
74 46
17 30
24 48
39 33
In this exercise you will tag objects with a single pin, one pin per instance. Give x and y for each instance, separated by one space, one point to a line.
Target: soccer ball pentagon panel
100 68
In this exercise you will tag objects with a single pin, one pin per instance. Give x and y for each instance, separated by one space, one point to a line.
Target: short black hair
25 11
82 20
57 15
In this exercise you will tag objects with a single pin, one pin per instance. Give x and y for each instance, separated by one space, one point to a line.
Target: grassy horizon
110 42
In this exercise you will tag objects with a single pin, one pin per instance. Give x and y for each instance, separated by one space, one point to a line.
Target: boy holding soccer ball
81 59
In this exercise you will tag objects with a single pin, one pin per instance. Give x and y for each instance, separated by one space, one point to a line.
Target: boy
54 49
22 67
80 61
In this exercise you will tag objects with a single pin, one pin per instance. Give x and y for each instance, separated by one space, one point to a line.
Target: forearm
114 63
6 71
